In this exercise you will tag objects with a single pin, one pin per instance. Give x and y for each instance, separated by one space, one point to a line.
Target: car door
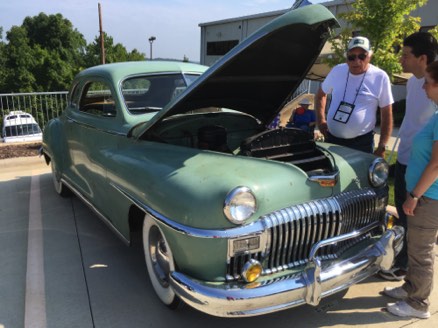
92 132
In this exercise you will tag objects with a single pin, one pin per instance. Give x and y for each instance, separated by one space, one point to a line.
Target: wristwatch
413 196
383 146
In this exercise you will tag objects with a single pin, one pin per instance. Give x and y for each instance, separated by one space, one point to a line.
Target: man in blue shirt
302 117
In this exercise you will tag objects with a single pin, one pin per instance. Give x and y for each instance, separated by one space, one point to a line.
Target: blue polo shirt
421 153
304 119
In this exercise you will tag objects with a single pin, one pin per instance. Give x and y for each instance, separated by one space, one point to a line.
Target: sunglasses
353 57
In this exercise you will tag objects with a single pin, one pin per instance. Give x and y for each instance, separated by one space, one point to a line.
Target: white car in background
19 126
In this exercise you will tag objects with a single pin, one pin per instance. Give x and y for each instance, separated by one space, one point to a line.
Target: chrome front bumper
309 286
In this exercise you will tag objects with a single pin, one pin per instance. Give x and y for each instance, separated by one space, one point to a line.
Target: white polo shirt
419 109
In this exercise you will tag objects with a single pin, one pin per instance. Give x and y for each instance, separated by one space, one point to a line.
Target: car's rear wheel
60 188
159 263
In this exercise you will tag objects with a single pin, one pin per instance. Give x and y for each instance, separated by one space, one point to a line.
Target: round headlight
240 204
378 172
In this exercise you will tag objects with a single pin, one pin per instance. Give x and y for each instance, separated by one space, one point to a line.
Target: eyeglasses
353 57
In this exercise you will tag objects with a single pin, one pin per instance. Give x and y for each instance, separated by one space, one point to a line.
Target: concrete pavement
91 279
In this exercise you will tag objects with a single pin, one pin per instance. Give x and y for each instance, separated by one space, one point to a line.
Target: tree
2 58
46 52
113 52
434 32
43 54
18 62
135 55
385 23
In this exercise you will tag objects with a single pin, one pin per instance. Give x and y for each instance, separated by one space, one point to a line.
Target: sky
174 23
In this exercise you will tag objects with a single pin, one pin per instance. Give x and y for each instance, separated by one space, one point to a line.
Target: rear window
143 94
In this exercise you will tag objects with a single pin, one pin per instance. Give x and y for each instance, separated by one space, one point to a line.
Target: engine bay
241 135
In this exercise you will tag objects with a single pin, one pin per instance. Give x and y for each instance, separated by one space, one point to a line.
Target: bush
398 113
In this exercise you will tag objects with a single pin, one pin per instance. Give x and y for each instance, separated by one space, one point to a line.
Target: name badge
343 112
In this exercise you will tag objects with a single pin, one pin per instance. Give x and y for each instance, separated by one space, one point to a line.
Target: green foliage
391 158
398 111
434 32
113 52
2 57
385 23
18 62
46 52
43 54
135 55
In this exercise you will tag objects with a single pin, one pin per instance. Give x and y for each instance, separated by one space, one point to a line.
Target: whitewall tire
60 188
159 263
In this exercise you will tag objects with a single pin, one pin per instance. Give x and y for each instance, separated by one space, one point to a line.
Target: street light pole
151 40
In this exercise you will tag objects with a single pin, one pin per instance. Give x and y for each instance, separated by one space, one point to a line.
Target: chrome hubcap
159 256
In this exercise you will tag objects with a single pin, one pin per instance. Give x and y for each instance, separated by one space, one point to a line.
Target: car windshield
151 93
22 130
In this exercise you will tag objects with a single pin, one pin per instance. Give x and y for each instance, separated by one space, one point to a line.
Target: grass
391 175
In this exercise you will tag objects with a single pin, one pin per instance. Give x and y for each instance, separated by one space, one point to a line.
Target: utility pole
102 45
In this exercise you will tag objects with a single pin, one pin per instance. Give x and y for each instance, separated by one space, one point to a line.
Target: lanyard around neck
357 90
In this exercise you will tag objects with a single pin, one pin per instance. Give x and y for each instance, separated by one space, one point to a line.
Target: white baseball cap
359 42
305 101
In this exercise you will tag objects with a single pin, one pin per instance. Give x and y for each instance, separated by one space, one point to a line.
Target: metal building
218 37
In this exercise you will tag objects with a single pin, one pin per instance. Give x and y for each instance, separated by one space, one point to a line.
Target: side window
143 94
74 95
97 99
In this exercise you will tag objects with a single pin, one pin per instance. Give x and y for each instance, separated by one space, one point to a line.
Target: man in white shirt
358 89
419 49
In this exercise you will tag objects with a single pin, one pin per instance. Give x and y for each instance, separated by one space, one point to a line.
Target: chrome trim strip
255 228
113 132
96 211
337 239
322 178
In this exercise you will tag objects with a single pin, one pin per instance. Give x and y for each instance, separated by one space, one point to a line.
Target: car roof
17 118
119 71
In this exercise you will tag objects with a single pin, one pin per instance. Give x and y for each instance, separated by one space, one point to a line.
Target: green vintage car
236 219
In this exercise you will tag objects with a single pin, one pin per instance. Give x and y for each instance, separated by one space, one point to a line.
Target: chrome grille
294 230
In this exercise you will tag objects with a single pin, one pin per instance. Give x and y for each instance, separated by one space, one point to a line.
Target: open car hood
261 73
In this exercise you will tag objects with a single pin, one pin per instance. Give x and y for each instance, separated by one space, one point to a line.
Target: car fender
189 186
53 141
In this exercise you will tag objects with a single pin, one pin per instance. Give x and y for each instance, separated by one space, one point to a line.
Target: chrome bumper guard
309 286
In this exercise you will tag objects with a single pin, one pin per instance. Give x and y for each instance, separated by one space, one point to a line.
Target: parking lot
60 266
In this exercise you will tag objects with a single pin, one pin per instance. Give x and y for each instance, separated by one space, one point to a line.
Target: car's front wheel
60 188
159 261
